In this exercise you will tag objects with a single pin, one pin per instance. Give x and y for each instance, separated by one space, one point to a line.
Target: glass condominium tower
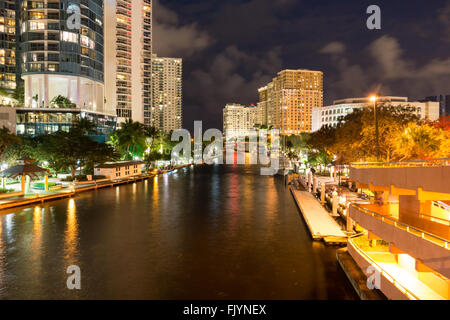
128 59
60 56
8 71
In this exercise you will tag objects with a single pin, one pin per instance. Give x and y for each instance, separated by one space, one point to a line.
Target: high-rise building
261 109
332 115
238 120
290 98
128 54
167 93
8 71
60 57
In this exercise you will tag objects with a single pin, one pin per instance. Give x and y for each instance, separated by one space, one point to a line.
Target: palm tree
129 138
85 126
417 142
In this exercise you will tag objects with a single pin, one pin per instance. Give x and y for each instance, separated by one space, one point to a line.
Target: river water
209 232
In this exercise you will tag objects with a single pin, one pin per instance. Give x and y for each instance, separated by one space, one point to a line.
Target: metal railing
382 272
435 219
441 205
405 227
403 164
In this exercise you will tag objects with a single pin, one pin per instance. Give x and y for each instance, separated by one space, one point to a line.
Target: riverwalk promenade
44 196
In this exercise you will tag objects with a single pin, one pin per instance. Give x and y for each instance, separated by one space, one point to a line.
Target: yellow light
373 98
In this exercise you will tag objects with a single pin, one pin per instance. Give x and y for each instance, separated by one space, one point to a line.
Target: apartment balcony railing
403 226
402 164
383 272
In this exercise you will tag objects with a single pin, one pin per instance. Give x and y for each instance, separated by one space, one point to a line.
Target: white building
330 115
57 61
120 170
128 54
166 112
238 119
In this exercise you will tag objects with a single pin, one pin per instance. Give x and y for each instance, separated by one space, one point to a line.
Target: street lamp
374 100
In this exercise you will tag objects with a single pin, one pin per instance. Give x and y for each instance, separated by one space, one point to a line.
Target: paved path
321 225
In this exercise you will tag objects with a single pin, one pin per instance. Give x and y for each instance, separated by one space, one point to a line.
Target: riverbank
44 196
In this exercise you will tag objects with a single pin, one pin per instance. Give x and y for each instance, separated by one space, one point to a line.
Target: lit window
69 36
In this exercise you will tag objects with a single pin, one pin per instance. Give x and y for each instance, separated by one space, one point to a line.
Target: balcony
429 175
431 249
398 277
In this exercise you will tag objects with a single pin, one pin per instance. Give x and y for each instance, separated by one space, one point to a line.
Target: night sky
232 47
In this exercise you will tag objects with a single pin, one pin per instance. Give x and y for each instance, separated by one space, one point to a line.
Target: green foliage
421 142
2 190
61 102
354 138
129 139
19 95
7 139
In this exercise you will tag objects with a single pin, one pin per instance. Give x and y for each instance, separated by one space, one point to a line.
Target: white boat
285 166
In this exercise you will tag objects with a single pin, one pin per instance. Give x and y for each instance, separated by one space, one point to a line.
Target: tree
129 139
420 142
73 149
353 139
7 139
61 102
19 95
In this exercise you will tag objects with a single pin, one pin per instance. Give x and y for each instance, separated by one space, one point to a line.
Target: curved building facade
62 50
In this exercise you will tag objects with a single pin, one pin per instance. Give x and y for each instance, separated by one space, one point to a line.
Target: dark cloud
390 71
232 76
173 39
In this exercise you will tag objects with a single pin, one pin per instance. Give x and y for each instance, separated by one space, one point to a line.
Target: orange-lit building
406 228
287 102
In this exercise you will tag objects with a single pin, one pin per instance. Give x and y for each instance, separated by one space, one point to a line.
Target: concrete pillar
41 92
22 182
78 99
335 202
349 222
46 182
28 91
309 181
46 90
314 185
322 193
27 184
69 89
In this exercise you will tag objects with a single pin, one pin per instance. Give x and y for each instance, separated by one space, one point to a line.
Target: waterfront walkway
44 196
320 224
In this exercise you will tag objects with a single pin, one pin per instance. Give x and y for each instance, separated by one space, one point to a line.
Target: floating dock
320 224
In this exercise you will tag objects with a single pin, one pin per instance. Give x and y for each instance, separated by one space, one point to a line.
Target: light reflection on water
201 233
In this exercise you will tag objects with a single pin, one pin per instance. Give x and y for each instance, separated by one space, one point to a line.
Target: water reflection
209 232
37 234
71 234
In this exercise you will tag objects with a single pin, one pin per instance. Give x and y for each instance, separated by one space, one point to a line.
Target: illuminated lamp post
374 100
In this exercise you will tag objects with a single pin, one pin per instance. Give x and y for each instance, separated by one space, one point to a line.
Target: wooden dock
320 224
